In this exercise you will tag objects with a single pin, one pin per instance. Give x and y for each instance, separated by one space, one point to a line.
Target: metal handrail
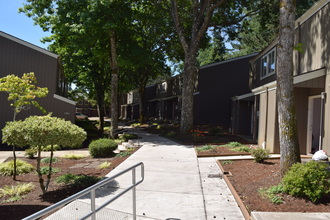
91 190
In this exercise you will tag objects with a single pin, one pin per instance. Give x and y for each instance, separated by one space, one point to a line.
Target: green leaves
22 91
43 131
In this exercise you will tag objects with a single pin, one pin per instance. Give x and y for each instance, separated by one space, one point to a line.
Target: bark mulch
35 201
220 151
249 177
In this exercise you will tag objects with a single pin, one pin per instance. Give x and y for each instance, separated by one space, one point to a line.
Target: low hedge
102 147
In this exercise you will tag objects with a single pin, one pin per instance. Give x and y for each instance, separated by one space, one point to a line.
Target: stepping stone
79 165
93 165
127 145
135 143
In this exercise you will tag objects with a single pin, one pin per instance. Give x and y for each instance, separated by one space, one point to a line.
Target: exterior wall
17 59
217 85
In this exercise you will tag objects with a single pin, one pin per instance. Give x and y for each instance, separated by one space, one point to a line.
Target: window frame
86 102
80 102
163 89
267 56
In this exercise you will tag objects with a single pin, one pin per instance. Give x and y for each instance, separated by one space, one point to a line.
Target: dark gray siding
17 59
217 85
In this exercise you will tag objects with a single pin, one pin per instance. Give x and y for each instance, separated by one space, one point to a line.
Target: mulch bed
248 177
35 201
220 151
189 139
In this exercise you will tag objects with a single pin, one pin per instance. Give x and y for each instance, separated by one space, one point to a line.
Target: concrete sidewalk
176 186
5 154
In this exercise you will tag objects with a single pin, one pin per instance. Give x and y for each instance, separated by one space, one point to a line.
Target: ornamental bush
311 179
260 154
103 147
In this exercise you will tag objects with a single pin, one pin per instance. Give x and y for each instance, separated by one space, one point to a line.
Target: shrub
7 168
77 180
30 153
45 170
47 160
171 134
241 149
15 192
260 154
310 179
126 137
215 131
160 126
74 156
49 147
104 165
102 147
205 148
123 154
233 144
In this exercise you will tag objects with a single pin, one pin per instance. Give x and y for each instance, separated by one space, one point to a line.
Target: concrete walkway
176 186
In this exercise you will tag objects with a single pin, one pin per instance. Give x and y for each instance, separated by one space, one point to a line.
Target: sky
18 24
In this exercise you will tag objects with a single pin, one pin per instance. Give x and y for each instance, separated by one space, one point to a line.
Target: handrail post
93 204
134 193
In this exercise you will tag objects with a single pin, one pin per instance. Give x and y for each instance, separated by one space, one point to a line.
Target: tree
191 20
288 133
46 130
260 30
21 94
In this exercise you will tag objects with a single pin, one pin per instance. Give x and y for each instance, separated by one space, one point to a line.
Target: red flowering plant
196 134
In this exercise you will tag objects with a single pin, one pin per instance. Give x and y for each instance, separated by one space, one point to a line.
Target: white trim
308 76
262 89
310 122
227 61
310 12
24 43
268 63
64 99
196 93
243 96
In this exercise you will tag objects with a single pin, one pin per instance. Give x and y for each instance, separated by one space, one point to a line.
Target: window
80 102
268 64
163 87
86 102
85 110
129 97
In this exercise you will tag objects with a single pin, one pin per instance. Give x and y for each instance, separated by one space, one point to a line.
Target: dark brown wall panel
217 85
17 59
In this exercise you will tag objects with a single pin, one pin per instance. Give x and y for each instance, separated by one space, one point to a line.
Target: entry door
313 127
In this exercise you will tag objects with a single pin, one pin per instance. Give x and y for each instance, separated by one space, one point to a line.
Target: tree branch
178 27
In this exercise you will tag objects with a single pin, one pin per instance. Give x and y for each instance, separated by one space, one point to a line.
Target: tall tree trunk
141 103
100 103
50 167
187 111
288 132
41 180
14 154
114 85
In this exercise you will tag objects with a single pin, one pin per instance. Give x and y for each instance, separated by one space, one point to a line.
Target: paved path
176 186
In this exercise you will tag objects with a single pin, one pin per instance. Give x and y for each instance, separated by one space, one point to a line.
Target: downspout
266 120
298 52
323 96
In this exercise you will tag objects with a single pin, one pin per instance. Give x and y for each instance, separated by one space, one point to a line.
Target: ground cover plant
205 148
15 192
45 170
104 165
123 154
77 180
47 160
22 167
73 156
